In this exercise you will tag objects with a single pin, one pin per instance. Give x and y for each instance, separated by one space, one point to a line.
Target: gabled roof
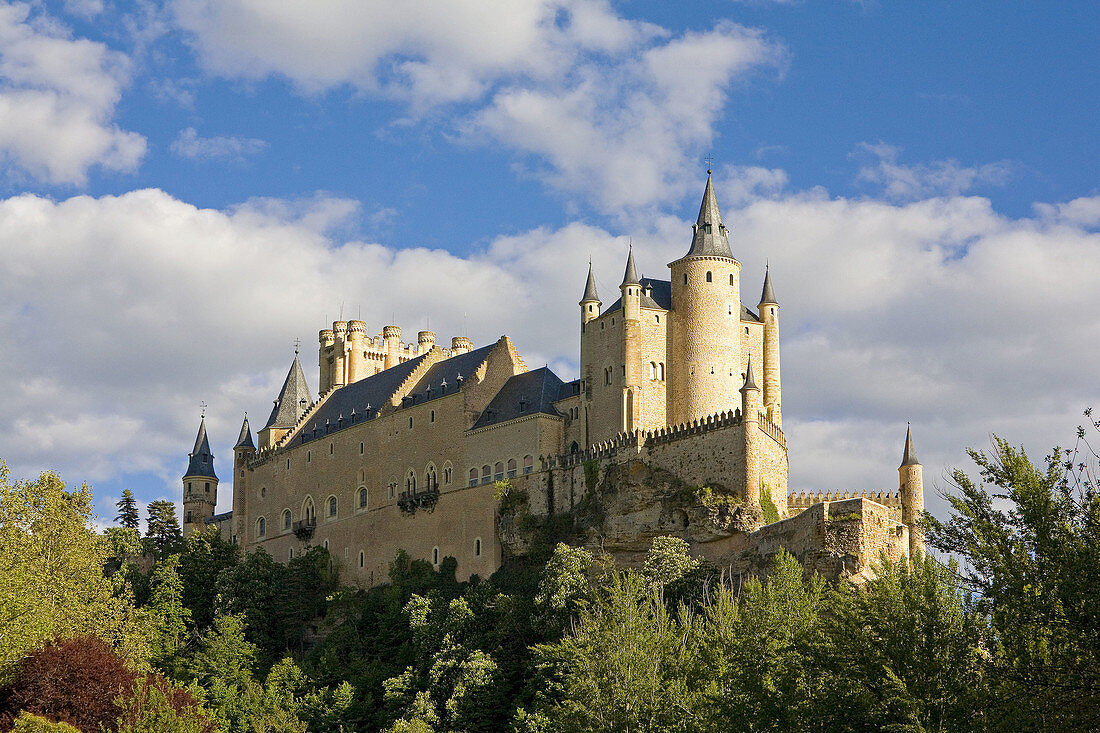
710 235
245 438
529 393
353 403
293 399
201 461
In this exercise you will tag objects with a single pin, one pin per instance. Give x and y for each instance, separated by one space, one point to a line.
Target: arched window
448 473
498 471
187 520
430 481
410 481
511 468
332 506
263 491
287 519
477 547
652 370
486 474
661 371
362 497
309 513
261 527
473 477
528 464
731 278
709 279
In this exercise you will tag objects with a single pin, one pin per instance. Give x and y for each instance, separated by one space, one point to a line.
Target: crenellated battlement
804 500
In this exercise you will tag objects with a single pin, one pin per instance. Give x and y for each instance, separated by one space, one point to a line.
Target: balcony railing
303 529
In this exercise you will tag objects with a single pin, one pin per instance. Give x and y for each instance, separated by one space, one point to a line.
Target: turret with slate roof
590 301
244 440
710 236
769 314
200 483
911 489
201 463
293 400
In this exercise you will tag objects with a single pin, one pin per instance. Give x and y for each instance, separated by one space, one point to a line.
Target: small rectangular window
360 449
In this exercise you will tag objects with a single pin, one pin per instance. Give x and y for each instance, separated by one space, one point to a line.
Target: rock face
624 509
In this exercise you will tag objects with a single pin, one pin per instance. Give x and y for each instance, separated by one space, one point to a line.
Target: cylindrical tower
769 314
200 484
357 367
590 301
339 353
705 363
911 489
327 340
461 345
391 337
425 340
750 422
631 292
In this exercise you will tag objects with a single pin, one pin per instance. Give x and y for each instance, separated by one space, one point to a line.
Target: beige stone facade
405 443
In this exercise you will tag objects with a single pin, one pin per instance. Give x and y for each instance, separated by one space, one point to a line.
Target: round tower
243 451
769 314
461 345
327 339
200 484
705 363
339 353
391 336
631 293
357 367
425 340
590 301
750 421
911 490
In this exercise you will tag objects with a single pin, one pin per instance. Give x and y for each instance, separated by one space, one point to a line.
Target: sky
189 186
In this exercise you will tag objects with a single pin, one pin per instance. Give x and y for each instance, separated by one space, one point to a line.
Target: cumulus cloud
938 178
57 101
596 105
223 148
940 311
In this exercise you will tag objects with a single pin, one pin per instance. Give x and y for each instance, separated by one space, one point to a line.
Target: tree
163 528
668 560
205 555
169 621
128 516
30 723
51 571
1029 540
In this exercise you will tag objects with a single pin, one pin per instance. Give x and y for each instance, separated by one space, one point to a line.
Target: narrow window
360 449
309 456
528 464
288 464
709 279
362 497
658 318
685 278
291 553
746 330
242 473
332 506
661 371
331 448
326 544
731 278
433 416
652 370
410 423
261 527
473 477
286 519
477 547
362 558
188 487
208 487
435 556
263 491
188 519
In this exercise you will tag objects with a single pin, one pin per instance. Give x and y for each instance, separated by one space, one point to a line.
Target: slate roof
630 276
767 295
662 299
909 458
530 393
245 438
569 389
201 461
750 383
376 391
223 517
590 287
711 236
293 399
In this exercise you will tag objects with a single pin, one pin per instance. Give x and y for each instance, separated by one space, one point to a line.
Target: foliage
154 706
162 529
511 499
591 475
128 516
771 512
1029 539
51 571
168 621
30 723
668 560
205 555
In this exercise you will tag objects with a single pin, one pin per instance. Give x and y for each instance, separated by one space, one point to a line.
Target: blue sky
188 186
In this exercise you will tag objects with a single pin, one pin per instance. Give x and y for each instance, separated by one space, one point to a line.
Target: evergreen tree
128 515
163 528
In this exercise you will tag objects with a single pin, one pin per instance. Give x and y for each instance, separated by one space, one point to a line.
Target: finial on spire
709 160
203 405
297 345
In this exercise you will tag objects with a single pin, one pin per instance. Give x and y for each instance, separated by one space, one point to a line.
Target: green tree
128 516
163 528
169 621
30 723
1029 540
205 555
51 571
668 560
563 585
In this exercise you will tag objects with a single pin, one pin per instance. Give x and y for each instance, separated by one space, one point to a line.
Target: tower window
685 278
261 527
362 558
288 464
332 506
652 370
263 491
731 278
435 556
486 474
661 371
286 519
188 487
360 449
477 547
291 553
708 272
410 423
331 448
511 468
309 456
498 471
362 497
188 519
433 416
746 330
208 487
658 318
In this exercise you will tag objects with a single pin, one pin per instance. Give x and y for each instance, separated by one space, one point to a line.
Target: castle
676 421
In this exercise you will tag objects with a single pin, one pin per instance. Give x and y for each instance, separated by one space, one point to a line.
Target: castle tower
356 362
200 484
425 340
243 451
631 290
590 301
391 336
339 353
461 345
293 400
750 421
705 362
769 314
911 489
327 340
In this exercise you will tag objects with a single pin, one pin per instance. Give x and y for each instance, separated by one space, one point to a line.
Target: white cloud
120 314
596 105
57 101
223 148
938 178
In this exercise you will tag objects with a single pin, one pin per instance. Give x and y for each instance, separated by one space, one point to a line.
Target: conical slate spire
201 461
630 277
590 287
245 439
910 457
767 297
750 383
711 237
293 399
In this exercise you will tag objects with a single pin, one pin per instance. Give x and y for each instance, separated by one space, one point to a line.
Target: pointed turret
750 382
293 399
590 295
630 277
201 461
909 457
710 234
767 296
245 438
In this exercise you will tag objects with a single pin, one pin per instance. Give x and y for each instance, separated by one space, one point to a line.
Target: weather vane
709 160
297 343
203 406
